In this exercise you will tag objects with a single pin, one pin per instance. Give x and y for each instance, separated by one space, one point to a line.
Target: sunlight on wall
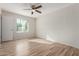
49 38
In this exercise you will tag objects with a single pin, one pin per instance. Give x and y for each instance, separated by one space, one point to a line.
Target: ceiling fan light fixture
33 10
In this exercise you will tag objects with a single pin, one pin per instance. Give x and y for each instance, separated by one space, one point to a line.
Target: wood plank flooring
36 47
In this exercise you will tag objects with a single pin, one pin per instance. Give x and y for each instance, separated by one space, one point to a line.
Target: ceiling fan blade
32 12
38 11
38 7
27 9
33 6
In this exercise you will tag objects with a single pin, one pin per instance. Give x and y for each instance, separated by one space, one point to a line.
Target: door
0 28
7 27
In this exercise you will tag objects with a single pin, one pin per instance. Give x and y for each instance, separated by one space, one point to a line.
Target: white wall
24 35
61 25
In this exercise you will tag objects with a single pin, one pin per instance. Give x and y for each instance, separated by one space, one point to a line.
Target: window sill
21 31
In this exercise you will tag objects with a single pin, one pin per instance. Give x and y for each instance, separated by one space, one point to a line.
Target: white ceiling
19 8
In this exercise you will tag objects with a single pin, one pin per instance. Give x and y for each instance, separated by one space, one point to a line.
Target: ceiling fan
35 8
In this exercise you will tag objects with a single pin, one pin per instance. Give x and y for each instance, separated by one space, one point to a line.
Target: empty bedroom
39 29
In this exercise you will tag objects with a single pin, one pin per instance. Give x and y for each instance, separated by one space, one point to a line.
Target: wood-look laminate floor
36 47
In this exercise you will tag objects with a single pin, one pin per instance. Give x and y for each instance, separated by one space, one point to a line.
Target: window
22 25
